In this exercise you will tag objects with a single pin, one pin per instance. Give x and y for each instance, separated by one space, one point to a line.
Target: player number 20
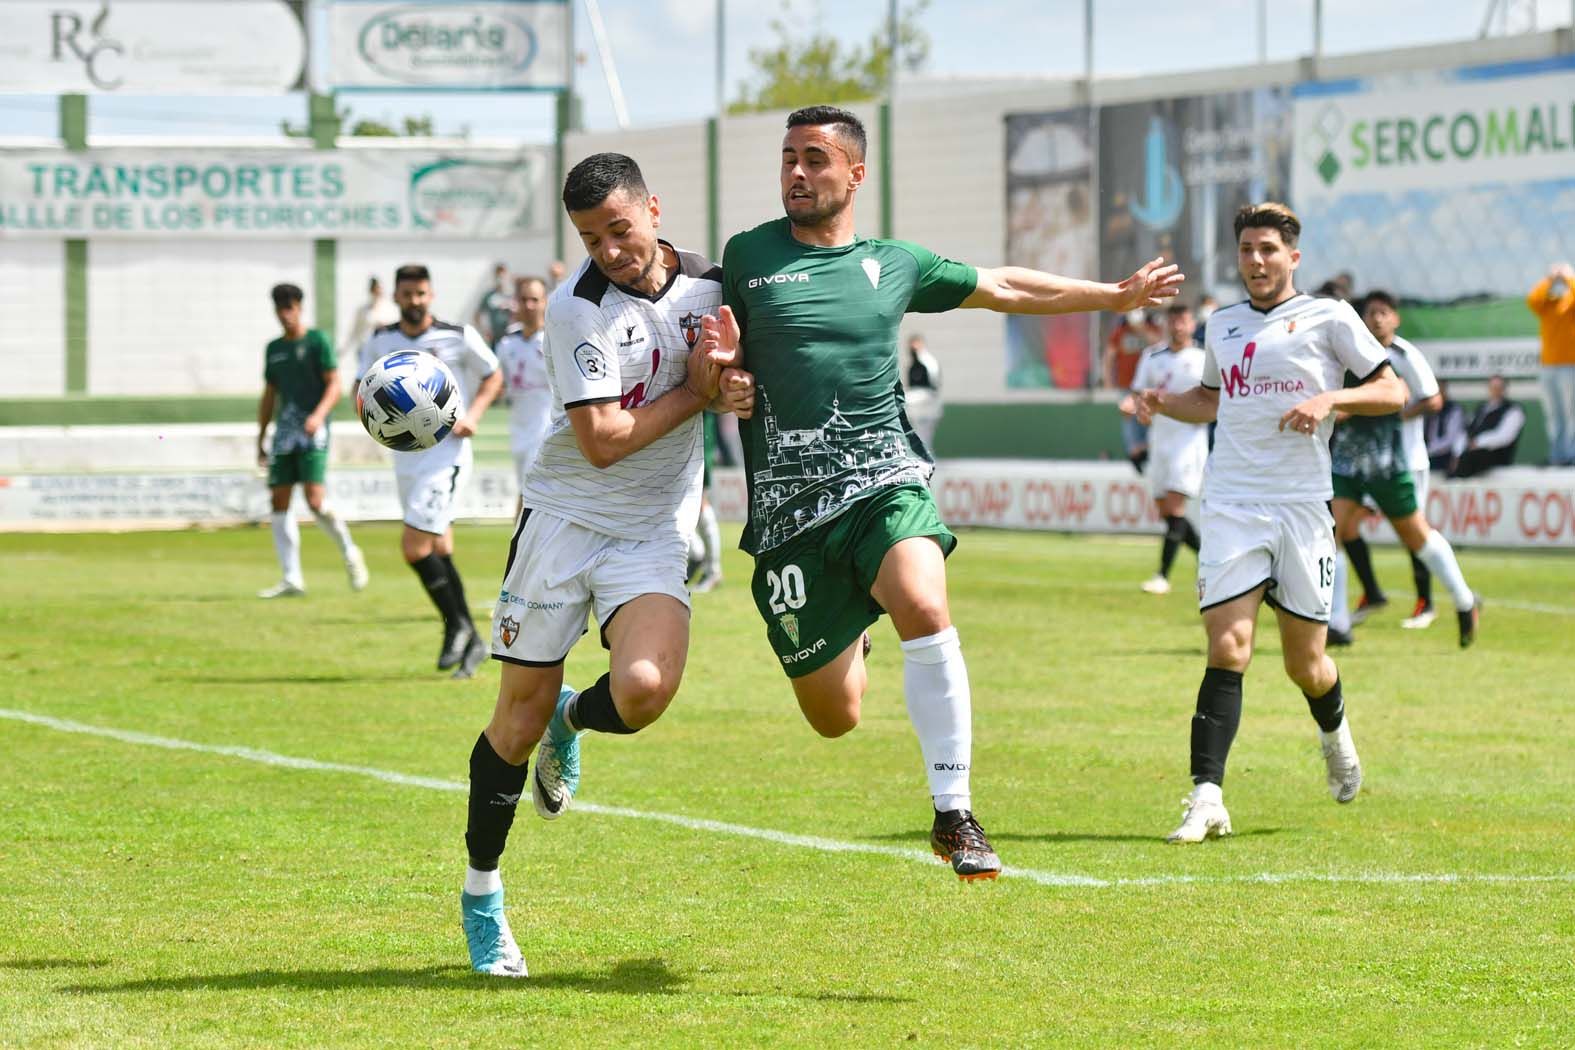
787 590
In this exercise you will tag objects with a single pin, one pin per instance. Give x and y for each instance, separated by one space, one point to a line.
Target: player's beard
413 316
819 214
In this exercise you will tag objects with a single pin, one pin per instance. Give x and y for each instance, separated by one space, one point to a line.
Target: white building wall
32 301
461 271
673 161
166 317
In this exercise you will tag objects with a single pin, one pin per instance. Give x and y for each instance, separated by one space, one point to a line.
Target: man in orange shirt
1553 301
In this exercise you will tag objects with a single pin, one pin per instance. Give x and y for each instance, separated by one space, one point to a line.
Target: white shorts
559 573
1289 546
430 500
1177 467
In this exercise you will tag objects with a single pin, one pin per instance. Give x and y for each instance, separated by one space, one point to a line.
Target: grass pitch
159 897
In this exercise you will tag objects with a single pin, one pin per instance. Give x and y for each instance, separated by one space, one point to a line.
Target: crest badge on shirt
689 324
872 271
1290 326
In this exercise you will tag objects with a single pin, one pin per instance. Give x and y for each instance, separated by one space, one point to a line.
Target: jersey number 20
787 590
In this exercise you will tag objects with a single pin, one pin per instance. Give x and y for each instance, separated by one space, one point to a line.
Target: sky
664 52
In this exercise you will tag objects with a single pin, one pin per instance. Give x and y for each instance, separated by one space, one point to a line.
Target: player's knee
642 692
1306 669
515 730
1231 650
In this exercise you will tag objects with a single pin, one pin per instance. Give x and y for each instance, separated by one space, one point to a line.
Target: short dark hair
412 272
593 180
1270 215
849 129
1177 308
286 295
1379 296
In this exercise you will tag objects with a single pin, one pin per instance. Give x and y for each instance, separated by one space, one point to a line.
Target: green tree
804 70
365 127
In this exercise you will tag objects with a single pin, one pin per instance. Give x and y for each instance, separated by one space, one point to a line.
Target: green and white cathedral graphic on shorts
813 475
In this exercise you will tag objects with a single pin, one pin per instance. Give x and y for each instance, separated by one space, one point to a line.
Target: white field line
783 838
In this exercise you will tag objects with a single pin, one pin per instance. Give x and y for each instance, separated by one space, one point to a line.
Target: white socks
1207 791
336 528
287 545
710 538
1439 557
1339 606
481 883
935 681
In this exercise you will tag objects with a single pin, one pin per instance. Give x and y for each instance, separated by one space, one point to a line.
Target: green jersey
820 336
295 368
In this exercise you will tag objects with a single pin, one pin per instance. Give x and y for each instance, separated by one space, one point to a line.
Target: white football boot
1345 769
1204 816
1156 584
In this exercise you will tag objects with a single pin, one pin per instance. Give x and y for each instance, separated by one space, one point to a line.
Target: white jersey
1171 372
1411 366
1265 363
606 343
525 385
467 356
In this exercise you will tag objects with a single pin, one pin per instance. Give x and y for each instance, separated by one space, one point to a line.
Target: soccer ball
408 400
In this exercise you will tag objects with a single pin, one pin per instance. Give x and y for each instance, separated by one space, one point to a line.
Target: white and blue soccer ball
408 400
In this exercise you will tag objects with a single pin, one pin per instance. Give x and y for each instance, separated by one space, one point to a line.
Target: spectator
495 309
377 311
556 271
1492 434
923 384
1553 301
1123 350
1206 307
1445 432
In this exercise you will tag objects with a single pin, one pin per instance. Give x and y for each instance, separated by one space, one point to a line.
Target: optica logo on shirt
1237 380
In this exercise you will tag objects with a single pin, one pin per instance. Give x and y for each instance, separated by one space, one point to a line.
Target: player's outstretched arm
1198 405
1017 290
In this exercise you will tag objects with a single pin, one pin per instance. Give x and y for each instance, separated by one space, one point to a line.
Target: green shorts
814 590
307 466
1395 495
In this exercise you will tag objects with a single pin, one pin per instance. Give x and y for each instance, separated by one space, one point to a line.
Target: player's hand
704 380
464 427
720 337
1305 417
1127 406
1151 285
262 456
313 424
1145 406
738 392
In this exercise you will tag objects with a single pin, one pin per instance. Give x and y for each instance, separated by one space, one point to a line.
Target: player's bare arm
264 417
487 393
1382 394
1017 290
1198 405
608 432
720 337
1426 407
325 404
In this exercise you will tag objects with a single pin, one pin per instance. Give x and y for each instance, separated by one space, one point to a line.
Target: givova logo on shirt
778 278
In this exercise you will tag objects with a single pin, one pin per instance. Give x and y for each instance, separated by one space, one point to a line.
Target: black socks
1215 723
592 708
1328 710
1178 530
443 587
1362 565
1423 578
495 791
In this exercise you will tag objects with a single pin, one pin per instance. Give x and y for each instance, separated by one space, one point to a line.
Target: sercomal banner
350 193
1453 191
519 45
150 47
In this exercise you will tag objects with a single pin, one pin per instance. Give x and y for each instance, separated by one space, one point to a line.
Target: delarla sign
1468 130
518 45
